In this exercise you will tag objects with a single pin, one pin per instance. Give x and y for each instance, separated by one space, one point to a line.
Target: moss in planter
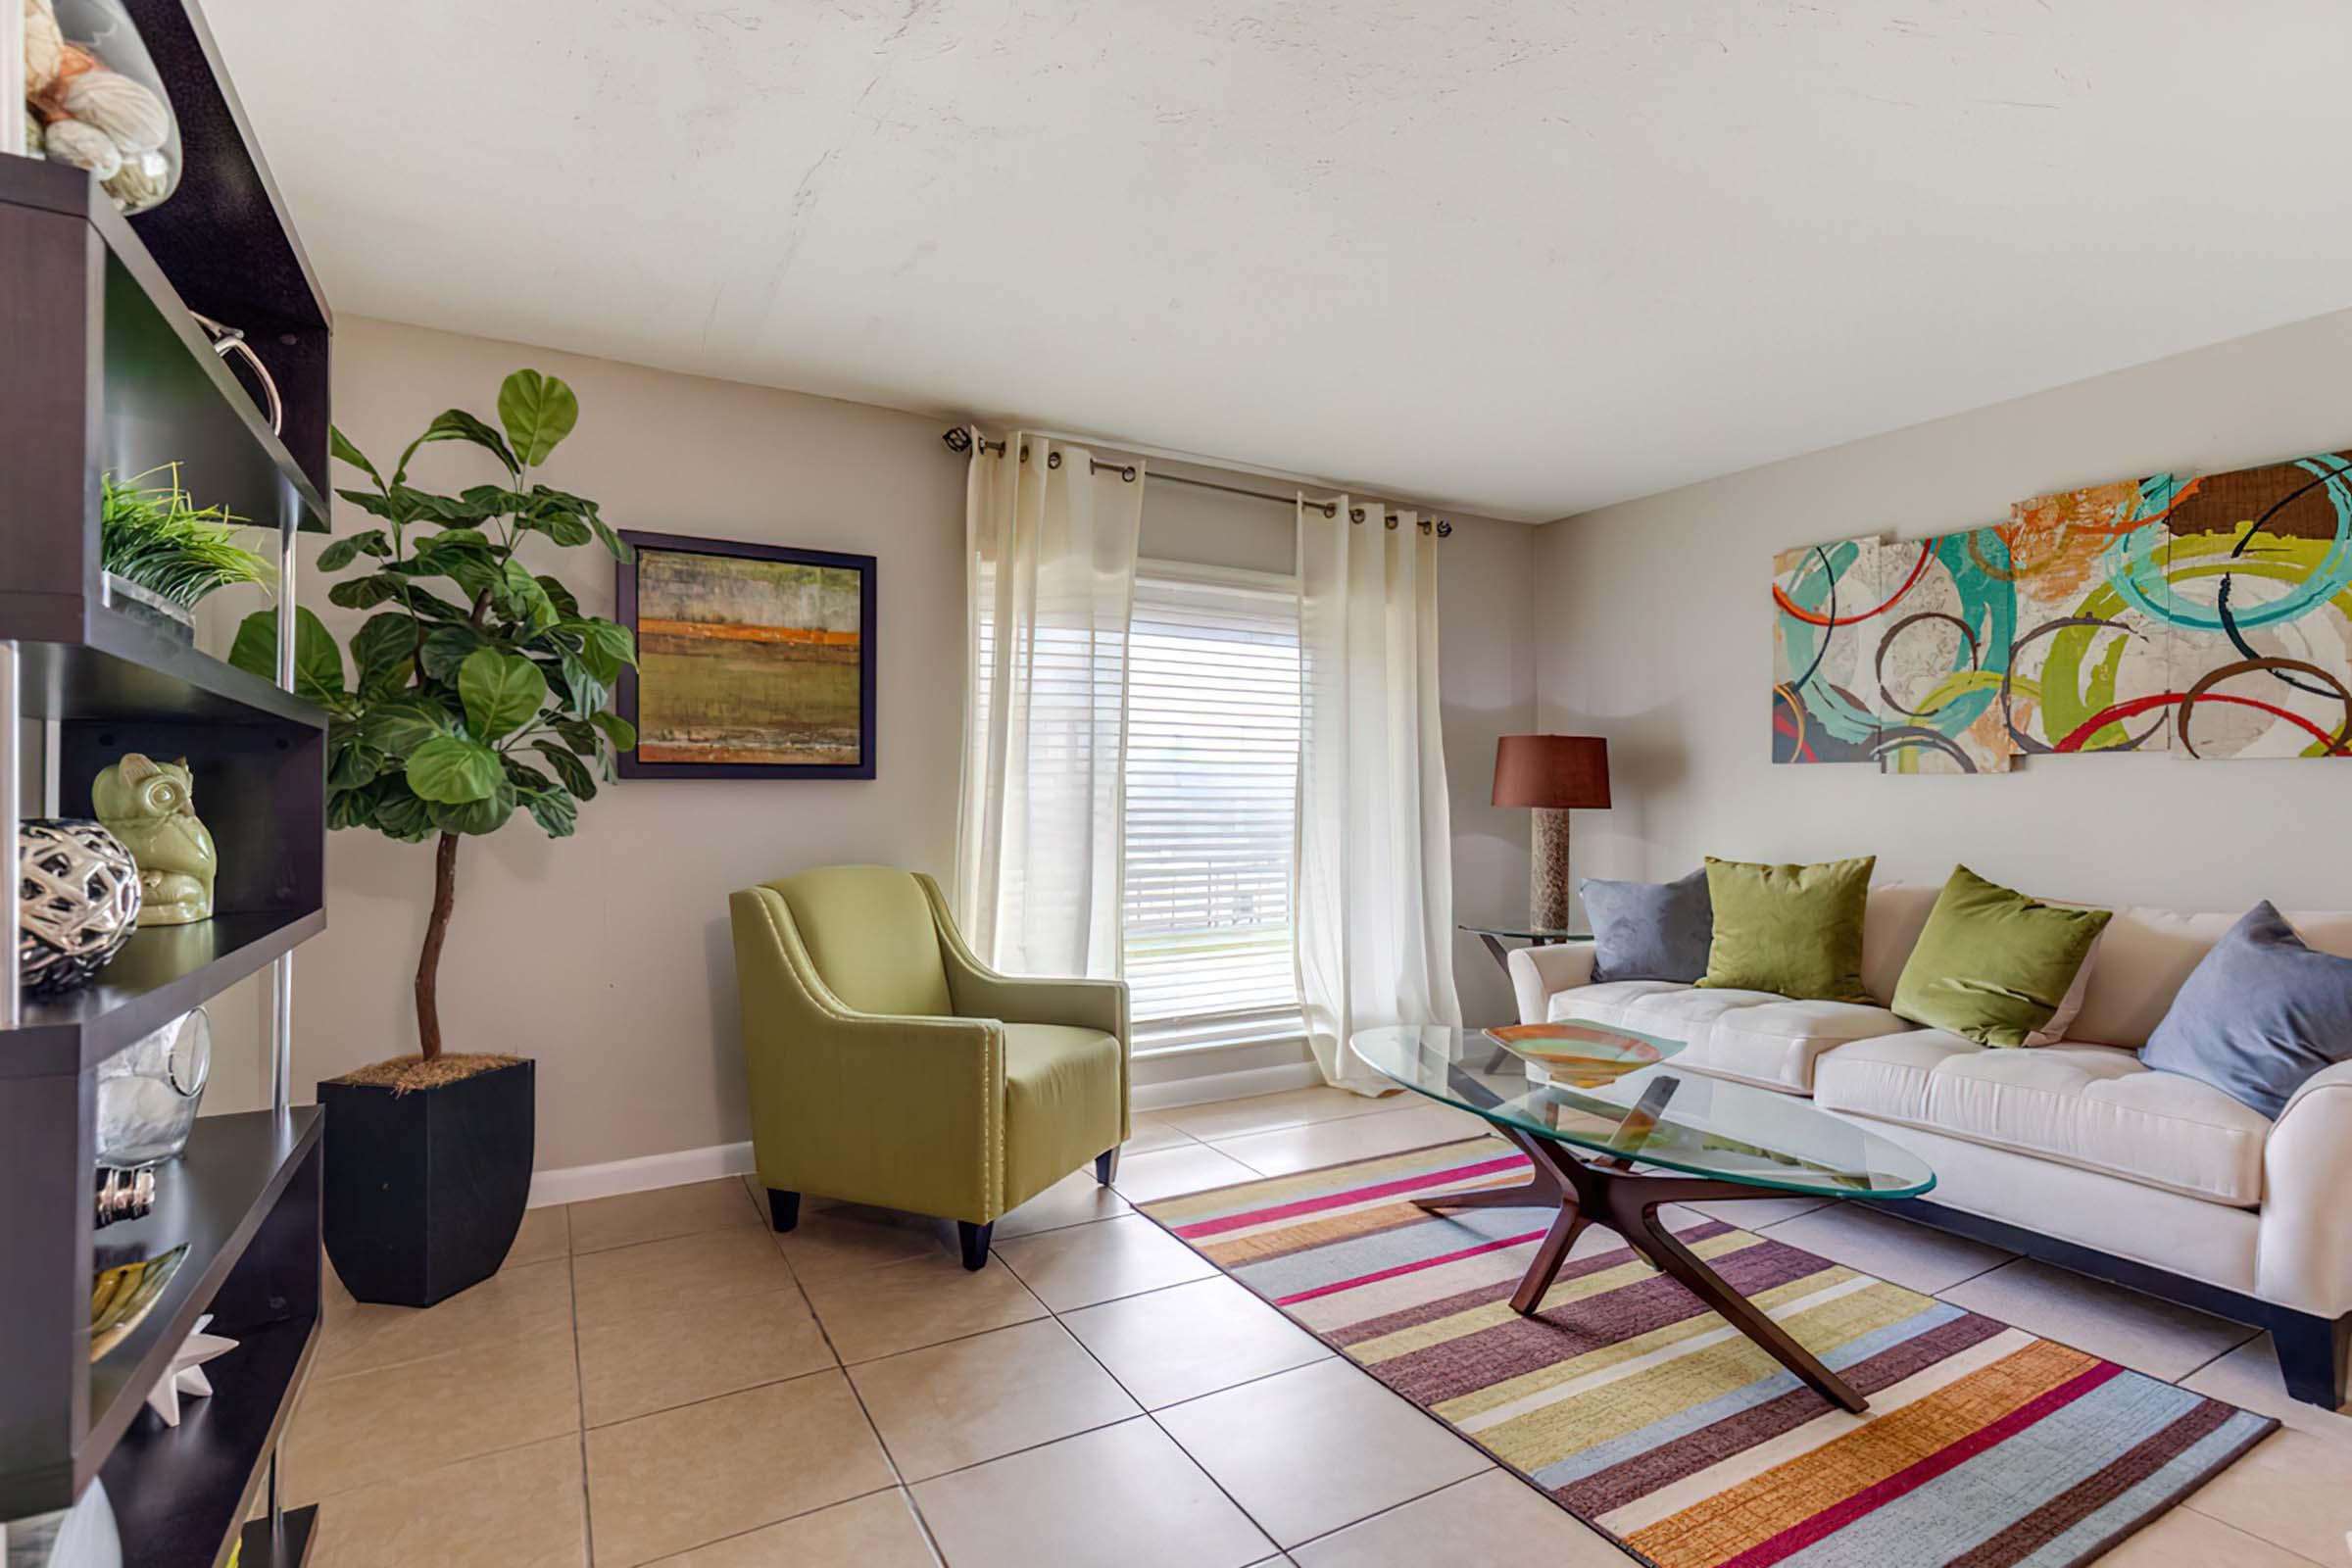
403 1074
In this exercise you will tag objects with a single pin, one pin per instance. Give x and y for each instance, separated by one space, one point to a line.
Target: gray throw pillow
1649 930
2258 1015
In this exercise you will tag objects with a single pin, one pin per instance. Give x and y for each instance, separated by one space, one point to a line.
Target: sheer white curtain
1051 566
1375 891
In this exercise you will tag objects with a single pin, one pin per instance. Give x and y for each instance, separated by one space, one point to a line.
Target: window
1212 773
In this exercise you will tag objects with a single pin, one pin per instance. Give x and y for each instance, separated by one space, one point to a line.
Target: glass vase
94 97
148 1091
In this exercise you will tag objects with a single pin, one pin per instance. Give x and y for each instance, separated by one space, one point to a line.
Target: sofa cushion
1757 1037
2089 1105
1649 930
1780 1043
2145 955
1791 929
2260 1014
1061 1102
1993 965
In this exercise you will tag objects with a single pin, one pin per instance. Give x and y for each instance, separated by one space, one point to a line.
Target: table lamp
1552 775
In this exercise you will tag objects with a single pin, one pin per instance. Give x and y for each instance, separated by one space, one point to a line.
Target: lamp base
1548 888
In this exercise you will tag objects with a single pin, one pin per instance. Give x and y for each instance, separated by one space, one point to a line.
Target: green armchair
888 1065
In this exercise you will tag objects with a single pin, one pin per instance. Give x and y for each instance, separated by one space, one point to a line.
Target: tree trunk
436 931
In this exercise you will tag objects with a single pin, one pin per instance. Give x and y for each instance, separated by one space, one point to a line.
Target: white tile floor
1099 1396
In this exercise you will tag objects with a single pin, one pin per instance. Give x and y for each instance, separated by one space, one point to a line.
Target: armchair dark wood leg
975 1243
1106 1165
783 1209
2313 1352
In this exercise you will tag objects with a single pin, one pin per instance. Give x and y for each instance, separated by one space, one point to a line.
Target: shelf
177 358
179 1494
213 1198
291 1549
160 973
122 669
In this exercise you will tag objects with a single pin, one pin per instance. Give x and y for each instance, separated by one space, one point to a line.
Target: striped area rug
1643 1413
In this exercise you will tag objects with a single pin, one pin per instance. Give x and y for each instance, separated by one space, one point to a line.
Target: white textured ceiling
1523 257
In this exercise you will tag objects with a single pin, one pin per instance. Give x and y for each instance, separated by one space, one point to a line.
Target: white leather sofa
2072 1153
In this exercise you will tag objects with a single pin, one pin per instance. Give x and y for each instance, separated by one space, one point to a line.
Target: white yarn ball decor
44 48
135 119
70 142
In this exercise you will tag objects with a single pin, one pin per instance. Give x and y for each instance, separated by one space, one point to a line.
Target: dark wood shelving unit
164 971
111 373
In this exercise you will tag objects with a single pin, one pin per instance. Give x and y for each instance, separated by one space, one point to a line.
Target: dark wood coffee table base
1611 1194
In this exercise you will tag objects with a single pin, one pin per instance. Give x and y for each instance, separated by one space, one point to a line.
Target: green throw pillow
1994 964
1794 929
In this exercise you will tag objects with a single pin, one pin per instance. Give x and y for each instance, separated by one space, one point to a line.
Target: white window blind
1213 772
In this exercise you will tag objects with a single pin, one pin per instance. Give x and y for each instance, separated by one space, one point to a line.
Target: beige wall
1653 629
607 956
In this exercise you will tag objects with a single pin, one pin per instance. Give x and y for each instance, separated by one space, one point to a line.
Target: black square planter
425 1191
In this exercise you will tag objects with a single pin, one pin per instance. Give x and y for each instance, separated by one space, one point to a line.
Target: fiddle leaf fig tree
476 687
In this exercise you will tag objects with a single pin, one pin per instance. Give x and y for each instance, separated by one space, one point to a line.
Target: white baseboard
574 1184
1205 1087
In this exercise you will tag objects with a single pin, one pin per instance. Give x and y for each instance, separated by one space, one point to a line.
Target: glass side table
1496 933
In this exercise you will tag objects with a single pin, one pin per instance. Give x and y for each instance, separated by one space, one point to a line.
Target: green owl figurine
151 807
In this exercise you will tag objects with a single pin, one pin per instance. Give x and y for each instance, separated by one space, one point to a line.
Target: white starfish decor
187 1371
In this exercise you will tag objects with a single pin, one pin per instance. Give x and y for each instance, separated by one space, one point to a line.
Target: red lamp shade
1552 770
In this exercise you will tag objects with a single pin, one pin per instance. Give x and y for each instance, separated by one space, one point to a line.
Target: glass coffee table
1614 1130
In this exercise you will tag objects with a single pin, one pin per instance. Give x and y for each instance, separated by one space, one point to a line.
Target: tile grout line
1407 1502
579 1389
898 1476
1156 1426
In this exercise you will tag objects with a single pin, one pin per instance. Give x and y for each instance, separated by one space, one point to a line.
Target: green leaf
588 694
398 729
446 648
350 807
453 771
620 548
402 815
340 445
318 661
560 597
517 593
456 424
457 509
431 607
618 730
570 769
353 766
453 539
555 811
382 650
364 593
564 527
604 644
502 692
576 733
390 507
485 815
538 411
344 551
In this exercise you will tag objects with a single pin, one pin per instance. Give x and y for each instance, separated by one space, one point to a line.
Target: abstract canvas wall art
2207 617
1942 655
1824 598
754 661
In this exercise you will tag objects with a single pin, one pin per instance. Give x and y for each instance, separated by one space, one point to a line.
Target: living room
1018 808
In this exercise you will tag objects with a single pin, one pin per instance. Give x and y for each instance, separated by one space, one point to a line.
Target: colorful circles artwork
2207 617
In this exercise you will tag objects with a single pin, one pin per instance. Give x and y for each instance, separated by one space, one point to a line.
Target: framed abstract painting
753 661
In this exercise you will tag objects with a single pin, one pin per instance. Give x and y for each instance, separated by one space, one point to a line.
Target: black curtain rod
959 439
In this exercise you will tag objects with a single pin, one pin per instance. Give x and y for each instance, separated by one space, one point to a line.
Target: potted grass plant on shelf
475 691
162 553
